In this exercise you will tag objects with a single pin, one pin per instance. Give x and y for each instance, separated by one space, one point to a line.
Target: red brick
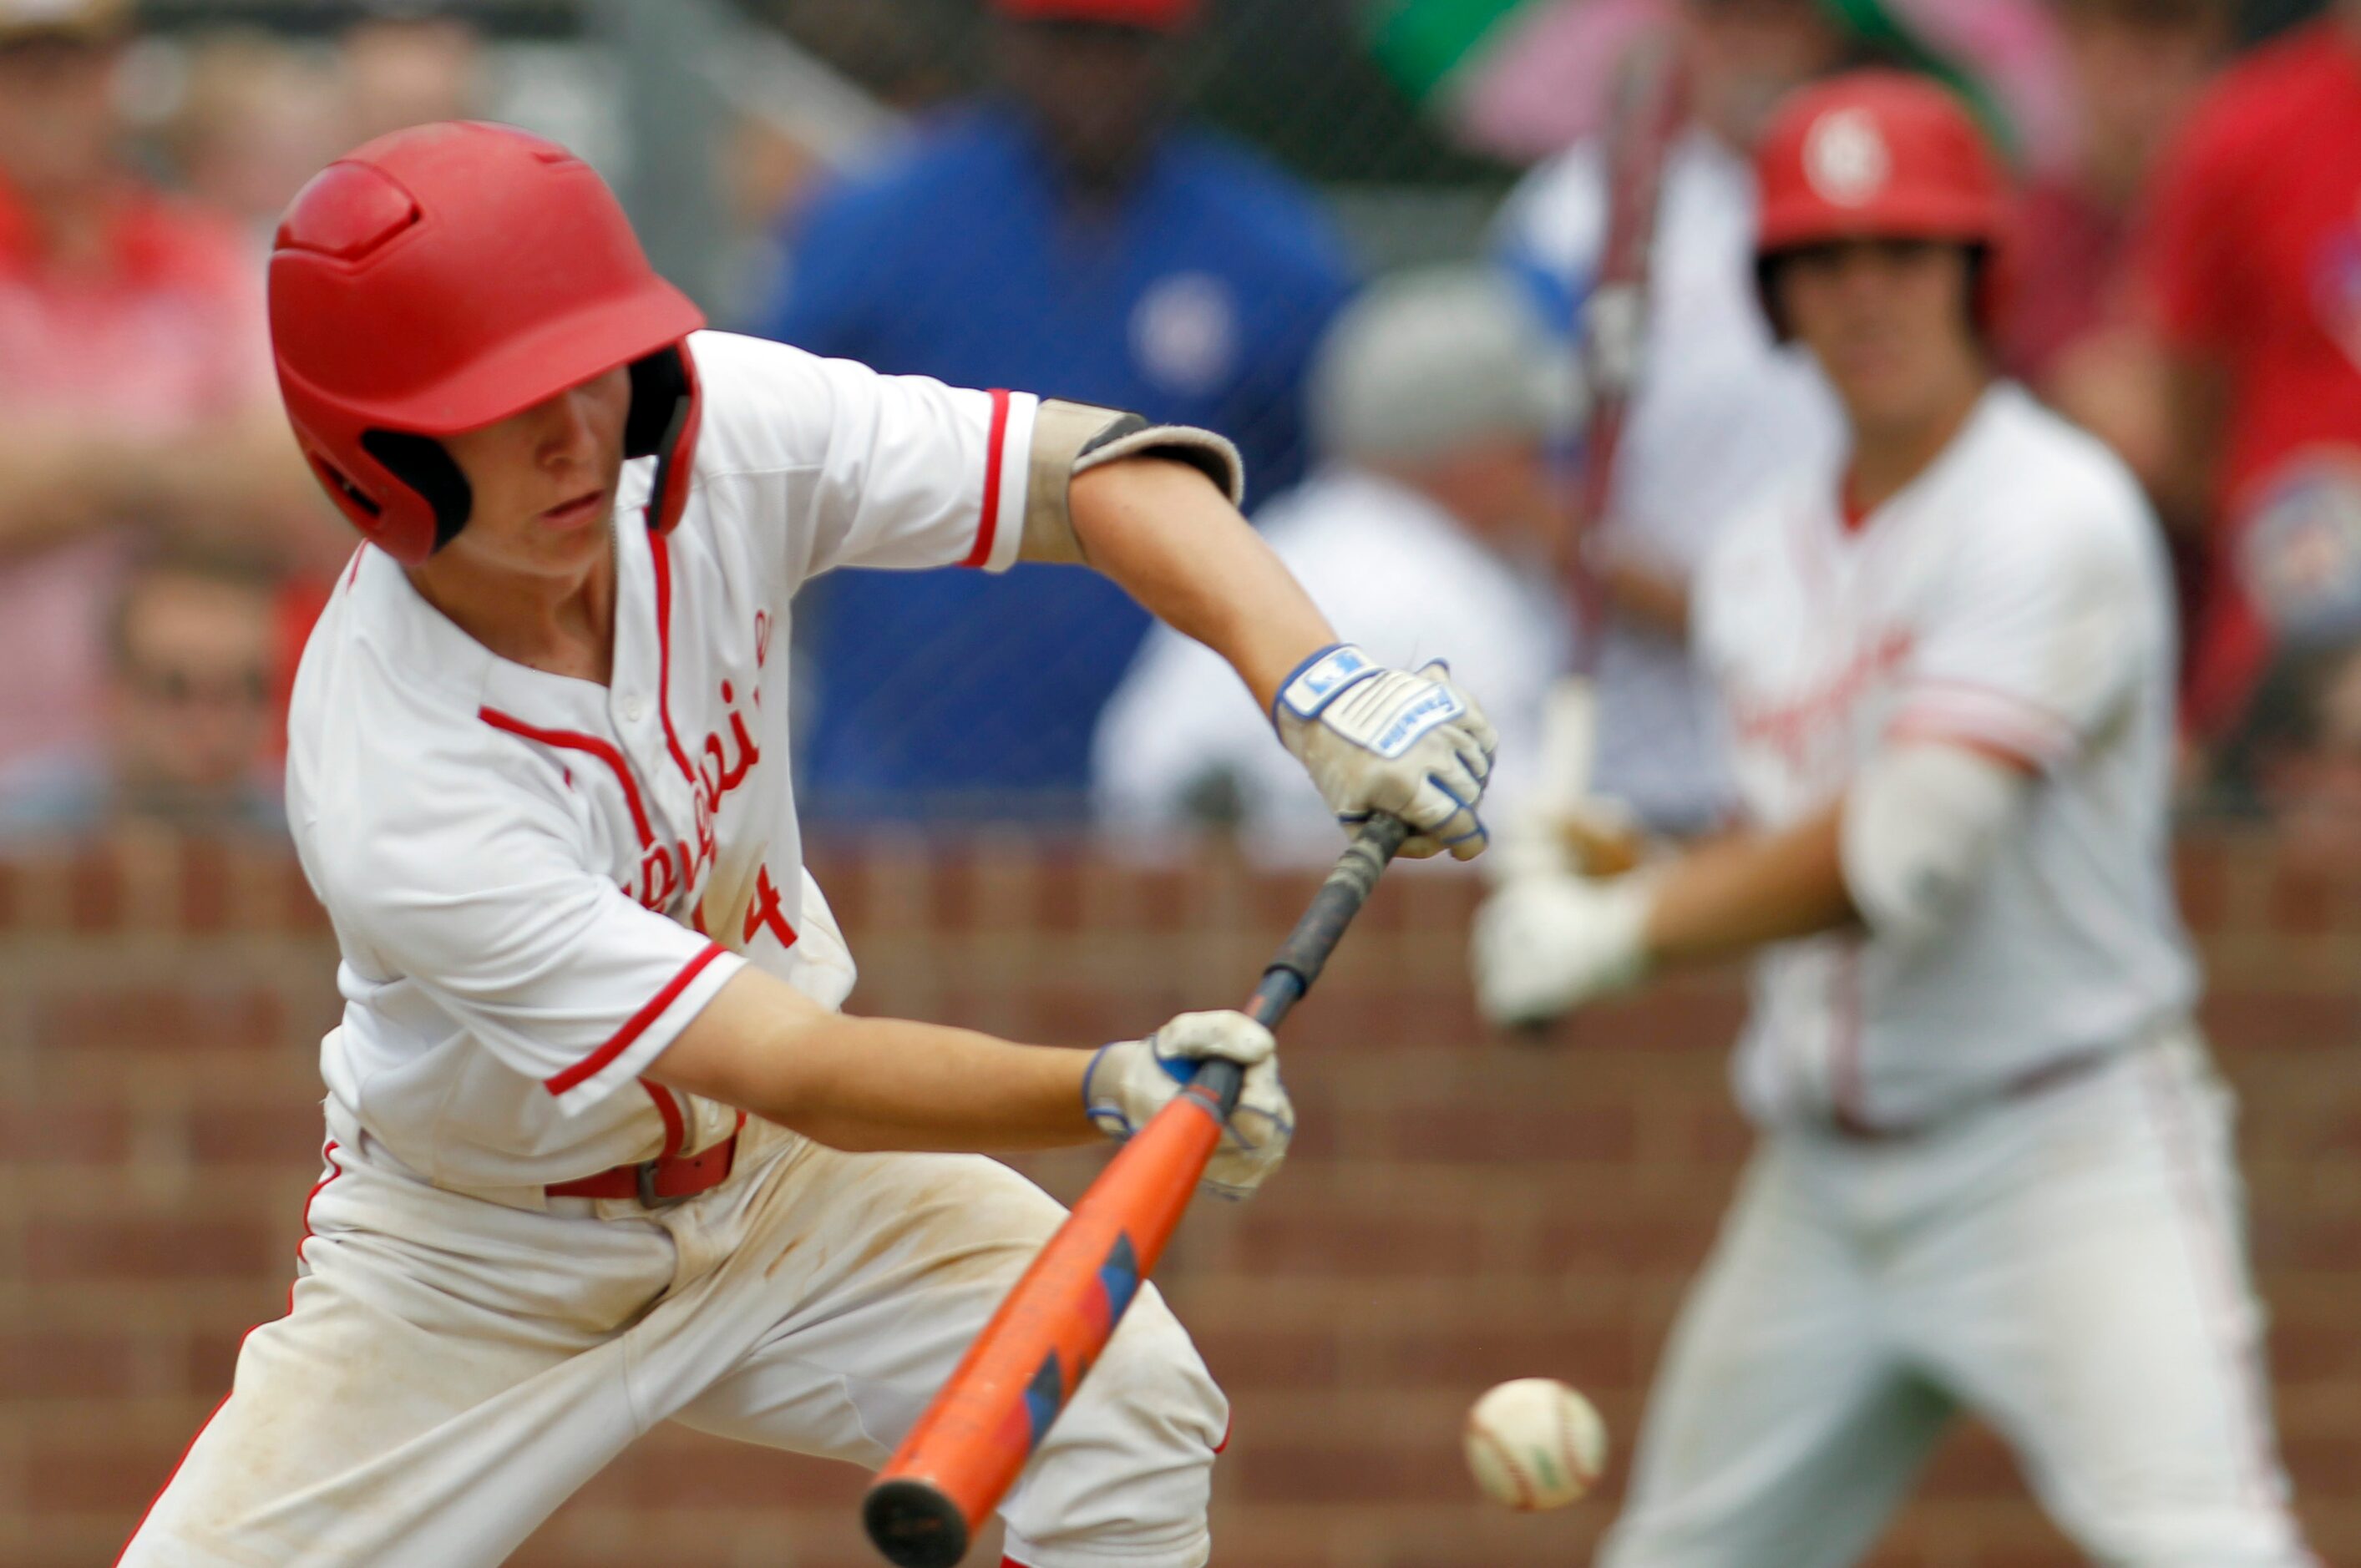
206 876
1353 1244
254 1135
2238 1021
166 1020
58 1250
35 1365
64 1132
1354 1469
95 896
1415 1355
1461 1133
1351 1311
1242 1359
300 907
117 1477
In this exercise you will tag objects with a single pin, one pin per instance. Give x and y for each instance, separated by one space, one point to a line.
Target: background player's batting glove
1546 945
1412 744
1129 1081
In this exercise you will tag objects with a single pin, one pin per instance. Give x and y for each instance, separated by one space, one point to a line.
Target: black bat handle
1305 952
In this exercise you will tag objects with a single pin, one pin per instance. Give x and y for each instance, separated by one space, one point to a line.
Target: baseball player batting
601 1152
1996 1168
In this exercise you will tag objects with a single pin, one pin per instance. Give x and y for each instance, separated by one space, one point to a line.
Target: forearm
945 1090
1163 532
876 1083
1743 892
240 479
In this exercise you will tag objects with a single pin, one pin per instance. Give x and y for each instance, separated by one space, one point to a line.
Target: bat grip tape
1305 952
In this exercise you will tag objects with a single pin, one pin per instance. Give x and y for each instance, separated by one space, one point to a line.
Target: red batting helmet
445 277
1879 154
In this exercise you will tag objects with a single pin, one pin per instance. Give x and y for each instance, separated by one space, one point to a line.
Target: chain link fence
1166 209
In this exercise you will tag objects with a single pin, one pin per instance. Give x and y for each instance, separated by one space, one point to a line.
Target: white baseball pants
2070 1265
452 1369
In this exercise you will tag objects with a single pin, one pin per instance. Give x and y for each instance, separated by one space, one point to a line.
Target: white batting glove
1410 744
1545 945
1129 1081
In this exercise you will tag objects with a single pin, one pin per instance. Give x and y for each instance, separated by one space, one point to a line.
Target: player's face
544 480
192 690
1889 322
1100 94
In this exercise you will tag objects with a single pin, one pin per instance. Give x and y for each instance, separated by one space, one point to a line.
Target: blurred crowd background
1353 234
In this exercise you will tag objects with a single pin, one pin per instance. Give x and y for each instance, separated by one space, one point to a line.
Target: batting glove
1129 1081
1412 744
1546 945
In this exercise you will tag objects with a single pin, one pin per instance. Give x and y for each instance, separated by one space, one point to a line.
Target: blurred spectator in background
1066 234
256 117
2251 267
134 373
1721 408
407 62
189 710
2138 66
1437 402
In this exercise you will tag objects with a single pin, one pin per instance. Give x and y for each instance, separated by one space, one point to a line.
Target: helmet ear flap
426 466
662 424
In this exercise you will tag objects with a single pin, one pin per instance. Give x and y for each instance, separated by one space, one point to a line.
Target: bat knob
914 1524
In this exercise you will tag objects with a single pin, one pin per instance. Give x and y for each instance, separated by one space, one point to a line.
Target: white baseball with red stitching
1535 1443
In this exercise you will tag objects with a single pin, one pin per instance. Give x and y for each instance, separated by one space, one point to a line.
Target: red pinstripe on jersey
575 740
987 529
675 1125
660 555
633 1026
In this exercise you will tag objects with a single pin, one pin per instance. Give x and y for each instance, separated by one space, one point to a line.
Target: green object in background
1421 43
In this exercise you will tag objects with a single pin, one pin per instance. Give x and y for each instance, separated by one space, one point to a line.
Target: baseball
1535 1444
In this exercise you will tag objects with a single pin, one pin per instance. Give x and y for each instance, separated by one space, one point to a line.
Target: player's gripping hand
1409 743
1545 945
1131 1081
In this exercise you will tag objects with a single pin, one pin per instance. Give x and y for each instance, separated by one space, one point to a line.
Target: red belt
1845 1123
656 1182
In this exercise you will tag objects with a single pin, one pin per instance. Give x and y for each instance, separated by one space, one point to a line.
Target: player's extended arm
1170 540
1408 744
1898 851
864 1085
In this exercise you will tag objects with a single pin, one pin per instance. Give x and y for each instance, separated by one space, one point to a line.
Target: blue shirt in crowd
1195 297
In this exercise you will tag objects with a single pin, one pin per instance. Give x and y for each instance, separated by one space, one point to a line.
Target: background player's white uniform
535 881
1997 1168
1721 411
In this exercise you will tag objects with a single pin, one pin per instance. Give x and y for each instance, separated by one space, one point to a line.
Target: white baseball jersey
2014 598
1412 583
537 880
1722 413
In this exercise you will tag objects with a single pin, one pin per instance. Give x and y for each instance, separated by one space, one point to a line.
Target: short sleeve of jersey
2038 629
858 469
494 914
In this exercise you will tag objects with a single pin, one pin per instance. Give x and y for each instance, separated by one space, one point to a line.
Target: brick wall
1459 1209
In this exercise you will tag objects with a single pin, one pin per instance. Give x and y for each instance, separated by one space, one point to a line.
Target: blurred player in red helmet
1995 1171
601 1152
